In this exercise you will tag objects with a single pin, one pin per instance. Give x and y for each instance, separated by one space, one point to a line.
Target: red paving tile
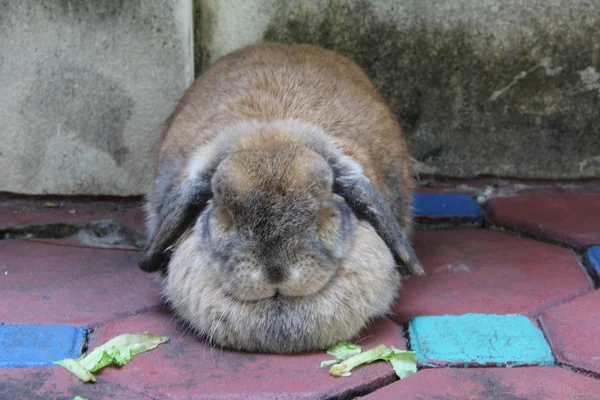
568 216
539 383
22 212
573 330
56 383
478 271
66 285
468 271
186 368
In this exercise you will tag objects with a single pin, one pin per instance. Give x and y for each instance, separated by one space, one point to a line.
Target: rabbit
279 219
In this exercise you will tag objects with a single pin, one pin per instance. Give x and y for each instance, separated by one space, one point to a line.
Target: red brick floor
49 283
569 215
482 271
19 213
547 383
534 267
573 330
195 368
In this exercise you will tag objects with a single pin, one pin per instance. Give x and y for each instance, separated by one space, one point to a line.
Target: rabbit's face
363 287
276 241
268 234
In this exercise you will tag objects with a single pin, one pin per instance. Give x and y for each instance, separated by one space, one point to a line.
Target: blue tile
593 255
39 345
442 205
478 339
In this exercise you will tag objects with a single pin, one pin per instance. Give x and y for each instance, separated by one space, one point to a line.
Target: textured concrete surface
569 216
101 223
547 383
573 332
478 340
19 212
39 345
84 90
481 271
497 87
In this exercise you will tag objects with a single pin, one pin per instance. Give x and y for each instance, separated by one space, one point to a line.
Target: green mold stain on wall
200 52
468 107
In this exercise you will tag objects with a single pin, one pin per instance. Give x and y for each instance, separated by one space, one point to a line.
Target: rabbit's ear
368 204
179 210
176 206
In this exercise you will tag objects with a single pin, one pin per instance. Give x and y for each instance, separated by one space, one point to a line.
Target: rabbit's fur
280 214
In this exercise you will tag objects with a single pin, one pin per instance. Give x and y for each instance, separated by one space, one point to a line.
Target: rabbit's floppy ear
368 204
179 210
178 206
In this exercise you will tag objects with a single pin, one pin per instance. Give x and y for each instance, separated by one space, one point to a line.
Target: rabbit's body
283 193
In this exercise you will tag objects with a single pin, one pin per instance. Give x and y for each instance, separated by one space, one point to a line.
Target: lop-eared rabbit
280 216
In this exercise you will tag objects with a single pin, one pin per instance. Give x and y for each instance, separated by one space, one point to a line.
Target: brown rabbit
280 214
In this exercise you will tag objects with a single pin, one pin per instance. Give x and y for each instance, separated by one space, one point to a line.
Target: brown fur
343 308
276 81
261 170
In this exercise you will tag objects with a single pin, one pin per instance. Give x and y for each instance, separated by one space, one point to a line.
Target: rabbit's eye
328 221
222 221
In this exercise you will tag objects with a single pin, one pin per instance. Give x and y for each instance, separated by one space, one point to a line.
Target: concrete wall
501 87
84 89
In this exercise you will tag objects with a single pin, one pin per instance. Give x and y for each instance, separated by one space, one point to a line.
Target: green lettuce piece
366 357
340 351
403 362
117 351
79 398
343 350
76 369
327 363
120 350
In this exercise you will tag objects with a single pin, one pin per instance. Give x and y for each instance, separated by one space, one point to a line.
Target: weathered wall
84 89
501 87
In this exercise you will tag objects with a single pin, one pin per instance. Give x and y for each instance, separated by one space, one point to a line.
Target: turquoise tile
478 339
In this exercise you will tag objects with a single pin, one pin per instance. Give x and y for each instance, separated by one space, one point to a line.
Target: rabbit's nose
275 274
